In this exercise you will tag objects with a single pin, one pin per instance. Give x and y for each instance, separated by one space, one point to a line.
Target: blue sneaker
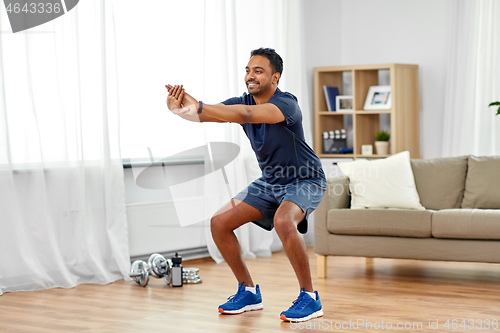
242 301
303 308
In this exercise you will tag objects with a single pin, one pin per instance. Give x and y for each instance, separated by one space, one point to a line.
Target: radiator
154 227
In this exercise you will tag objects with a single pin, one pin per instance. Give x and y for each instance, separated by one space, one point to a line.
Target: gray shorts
306 193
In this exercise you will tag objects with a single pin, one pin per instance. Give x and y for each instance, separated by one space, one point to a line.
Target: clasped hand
180 102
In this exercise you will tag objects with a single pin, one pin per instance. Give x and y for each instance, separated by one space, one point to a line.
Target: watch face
26 14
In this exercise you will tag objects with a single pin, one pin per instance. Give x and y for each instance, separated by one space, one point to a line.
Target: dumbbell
157 266
160 267
139 271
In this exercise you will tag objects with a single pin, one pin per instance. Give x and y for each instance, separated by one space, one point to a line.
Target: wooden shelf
371 156
334 113
351 156
402 119
373 111
335 155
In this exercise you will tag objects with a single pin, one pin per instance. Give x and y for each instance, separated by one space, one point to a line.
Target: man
291 186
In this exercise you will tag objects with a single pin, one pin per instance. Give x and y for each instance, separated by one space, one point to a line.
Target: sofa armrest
336 197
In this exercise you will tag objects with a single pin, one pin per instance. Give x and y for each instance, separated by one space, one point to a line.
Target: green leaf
495 103
382 136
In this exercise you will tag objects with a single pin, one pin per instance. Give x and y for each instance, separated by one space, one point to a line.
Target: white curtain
62 209
470 126
230 34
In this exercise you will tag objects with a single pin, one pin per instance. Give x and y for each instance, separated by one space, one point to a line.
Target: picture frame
378 98
344 103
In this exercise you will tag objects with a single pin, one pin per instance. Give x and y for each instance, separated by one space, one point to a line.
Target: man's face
260 77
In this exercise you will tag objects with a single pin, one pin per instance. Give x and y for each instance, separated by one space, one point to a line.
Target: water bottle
176 271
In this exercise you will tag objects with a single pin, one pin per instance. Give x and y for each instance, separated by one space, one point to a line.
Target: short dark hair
274 58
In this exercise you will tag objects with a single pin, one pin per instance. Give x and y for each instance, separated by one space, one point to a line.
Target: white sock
313 295
251 289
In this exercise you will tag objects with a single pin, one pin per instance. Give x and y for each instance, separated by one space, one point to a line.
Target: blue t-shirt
281 149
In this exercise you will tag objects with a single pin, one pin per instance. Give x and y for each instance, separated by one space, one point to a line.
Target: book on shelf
330 95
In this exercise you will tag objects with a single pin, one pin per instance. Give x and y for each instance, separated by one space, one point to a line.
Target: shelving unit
401 121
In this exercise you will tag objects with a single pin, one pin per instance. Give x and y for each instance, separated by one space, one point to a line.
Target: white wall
355 32
322 31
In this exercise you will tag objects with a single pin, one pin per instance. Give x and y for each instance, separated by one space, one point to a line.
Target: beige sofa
461 221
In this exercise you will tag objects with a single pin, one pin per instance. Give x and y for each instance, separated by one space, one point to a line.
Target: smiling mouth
251 85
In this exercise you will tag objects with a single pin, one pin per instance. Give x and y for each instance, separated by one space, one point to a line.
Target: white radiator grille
154 227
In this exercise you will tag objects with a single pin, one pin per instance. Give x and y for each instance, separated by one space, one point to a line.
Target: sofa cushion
466 224
383 183
337 191
482 185
441 181
380 222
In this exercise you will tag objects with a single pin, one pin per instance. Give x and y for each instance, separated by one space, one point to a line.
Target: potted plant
496 103
382 142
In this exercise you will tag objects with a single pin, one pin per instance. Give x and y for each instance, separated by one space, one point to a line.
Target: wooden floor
356 291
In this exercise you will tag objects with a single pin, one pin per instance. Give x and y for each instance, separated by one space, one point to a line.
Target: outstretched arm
245 114
241 114
179 98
